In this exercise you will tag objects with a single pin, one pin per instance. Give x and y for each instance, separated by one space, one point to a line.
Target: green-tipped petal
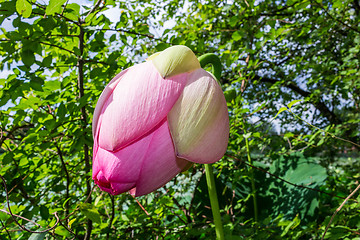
175 60
199 121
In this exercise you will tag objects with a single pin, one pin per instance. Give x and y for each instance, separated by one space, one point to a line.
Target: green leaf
23 7
257 134
47 23
230 94
23 162
62 231
90 212
37 236
247 135
321 142
280 111
32 137
54 7
44 212
236 36
72 11
4 216
61 111
293 102
8 158
47 61
161 46
71 222
338 232
28 57
298 170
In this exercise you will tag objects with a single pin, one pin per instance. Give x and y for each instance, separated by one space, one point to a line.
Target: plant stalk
211 58
252 178
214 60
210 180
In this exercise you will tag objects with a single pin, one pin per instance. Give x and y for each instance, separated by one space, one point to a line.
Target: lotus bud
155 119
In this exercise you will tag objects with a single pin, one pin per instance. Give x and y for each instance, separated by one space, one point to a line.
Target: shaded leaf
28 57
37 236
90 212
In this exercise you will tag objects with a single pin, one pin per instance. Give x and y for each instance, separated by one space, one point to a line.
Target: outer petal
111 187
199 121
117 172
147 164
140 101
106 93
161 163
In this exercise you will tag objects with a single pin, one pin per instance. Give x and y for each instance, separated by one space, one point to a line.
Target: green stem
252 178
210 180
214 61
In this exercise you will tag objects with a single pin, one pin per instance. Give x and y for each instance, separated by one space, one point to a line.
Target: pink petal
140 101
161 163
112 188
199 121
103 98
117 172
146 164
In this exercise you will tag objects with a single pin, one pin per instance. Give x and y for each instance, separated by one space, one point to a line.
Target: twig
67 178
53 45
62 12
128 31
332 135
185 211
93 9
112 215
68 229
141 206
57 14
4 211
339 208
14 217
7 231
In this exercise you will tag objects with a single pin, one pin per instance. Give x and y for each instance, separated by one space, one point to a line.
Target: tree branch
326 112
80 65
112 215
336 19
4 211
67 179
128 31
53 45
94 8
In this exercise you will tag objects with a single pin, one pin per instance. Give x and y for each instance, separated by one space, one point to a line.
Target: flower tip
133 192
175 60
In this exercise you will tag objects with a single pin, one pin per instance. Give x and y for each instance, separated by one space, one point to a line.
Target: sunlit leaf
24 8
54 6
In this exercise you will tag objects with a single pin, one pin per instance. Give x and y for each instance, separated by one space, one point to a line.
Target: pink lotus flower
155 119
